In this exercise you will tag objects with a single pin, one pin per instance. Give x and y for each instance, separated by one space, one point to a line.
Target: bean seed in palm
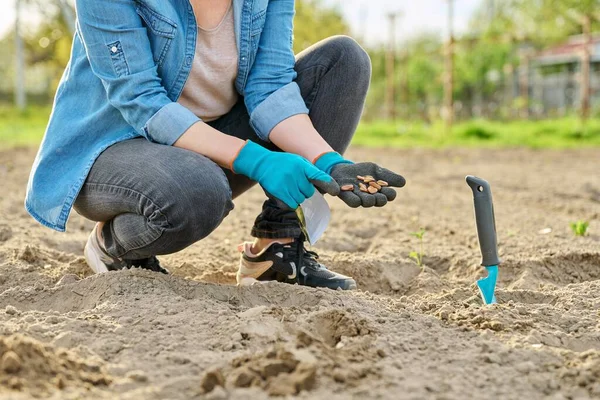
368 179
347 188
372 190
382 183
362 187
375 185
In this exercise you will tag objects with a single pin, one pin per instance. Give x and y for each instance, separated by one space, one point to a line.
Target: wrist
326 161
297 135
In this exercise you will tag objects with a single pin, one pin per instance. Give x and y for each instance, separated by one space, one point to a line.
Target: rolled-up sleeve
280 105
118 49
169 123
271 95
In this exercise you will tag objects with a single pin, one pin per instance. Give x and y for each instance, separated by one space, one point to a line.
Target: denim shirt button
188 60
114 49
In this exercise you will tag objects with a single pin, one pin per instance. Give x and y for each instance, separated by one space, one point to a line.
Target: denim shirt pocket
118 58
161 31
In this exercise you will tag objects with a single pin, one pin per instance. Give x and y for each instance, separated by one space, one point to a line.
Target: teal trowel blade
487 285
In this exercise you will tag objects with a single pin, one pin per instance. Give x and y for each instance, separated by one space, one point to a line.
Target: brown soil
407 333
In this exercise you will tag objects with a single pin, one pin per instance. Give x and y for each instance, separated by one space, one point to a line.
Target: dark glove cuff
326 161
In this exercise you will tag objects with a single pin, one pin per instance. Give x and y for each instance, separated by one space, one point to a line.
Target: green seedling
418 255
510 233
580 228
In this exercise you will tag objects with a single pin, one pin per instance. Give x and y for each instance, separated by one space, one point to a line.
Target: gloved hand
345 172
284 176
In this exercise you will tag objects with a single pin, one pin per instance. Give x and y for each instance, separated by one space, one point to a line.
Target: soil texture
409 332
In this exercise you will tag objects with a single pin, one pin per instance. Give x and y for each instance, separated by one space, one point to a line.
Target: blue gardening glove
284 176
346 173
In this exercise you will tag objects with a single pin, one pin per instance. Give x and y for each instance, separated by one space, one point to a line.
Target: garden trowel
486 230
314 215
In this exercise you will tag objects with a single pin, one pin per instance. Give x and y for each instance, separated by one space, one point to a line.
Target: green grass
24 128
558 133
27 128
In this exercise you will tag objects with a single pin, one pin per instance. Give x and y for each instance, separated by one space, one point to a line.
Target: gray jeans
156 199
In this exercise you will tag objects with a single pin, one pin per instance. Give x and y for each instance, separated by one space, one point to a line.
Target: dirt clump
276 371
583 371
333 325
212 379
5 233
30 365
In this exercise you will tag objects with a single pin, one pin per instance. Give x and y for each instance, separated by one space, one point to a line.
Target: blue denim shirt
129 62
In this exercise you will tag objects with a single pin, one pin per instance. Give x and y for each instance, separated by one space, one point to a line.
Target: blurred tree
516 28
418 78
423 72
314 22
47 48
478 71
48 44
543 22
495 34
554 20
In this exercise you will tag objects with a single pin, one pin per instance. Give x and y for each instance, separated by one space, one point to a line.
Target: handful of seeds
366 184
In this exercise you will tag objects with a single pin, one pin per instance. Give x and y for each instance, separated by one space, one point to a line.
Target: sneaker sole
248 281
351 286
347 285
92 258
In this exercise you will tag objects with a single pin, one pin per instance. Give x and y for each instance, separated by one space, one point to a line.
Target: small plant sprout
418 255
580 228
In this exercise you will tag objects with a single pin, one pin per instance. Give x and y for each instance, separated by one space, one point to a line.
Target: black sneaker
289 263
150 263
99 261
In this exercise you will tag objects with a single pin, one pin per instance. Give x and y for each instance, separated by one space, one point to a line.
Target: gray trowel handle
484 217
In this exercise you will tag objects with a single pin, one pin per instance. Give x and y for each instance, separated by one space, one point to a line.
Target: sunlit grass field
27 128
22 128
556 133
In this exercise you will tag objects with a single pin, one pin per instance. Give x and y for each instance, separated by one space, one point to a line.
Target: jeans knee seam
159 230
146 243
